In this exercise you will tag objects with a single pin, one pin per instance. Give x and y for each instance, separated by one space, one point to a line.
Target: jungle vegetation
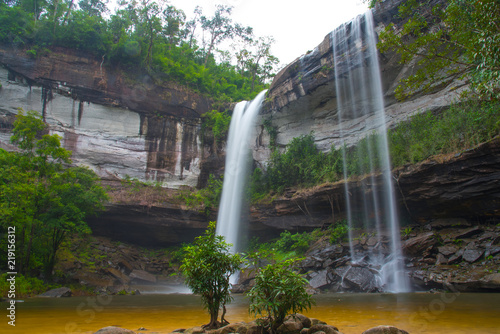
147 36
44 198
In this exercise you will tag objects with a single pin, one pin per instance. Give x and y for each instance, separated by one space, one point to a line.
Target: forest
210 54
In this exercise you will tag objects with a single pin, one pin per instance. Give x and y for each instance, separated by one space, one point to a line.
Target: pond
351 313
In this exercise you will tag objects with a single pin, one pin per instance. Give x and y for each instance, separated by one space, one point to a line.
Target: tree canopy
441 39
147 36
42 197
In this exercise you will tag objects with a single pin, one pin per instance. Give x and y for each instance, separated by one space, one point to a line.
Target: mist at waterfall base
359 95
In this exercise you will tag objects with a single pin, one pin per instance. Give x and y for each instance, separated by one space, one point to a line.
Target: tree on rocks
207 266
279 291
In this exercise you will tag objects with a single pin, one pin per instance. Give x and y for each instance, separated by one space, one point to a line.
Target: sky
297 26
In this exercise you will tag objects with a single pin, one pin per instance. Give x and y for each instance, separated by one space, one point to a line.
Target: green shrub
218 123
25 286
462 126
207 266
338 232
206 198
298 242
278 291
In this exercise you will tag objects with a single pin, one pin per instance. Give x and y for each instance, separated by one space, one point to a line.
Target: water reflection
351 313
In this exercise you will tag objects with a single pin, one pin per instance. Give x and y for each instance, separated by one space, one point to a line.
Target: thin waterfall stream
360 99
359 96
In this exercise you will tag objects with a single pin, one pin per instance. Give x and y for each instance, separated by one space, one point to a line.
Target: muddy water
351 313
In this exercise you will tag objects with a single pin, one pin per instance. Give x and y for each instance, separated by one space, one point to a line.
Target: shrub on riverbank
279 291
24 286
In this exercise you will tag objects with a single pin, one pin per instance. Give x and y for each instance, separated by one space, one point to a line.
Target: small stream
351 313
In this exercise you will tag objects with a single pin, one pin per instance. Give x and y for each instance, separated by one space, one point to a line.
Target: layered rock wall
118 127
302 98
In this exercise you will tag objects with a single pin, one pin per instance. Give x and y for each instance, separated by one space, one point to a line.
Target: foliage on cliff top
148 37
447 38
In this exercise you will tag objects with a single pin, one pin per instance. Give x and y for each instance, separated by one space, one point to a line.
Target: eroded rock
385 330
57 293
141 275
114 330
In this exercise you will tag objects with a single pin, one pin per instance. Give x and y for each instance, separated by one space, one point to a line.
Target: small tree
440 39
207 266
279 291
42 197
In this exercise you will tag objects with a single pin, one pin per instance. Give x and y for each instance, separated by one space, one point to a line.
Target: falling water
359 96
237 164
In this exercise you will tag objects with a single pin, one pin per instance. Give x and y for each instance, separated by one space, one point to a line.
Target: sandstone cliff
119 126
138 128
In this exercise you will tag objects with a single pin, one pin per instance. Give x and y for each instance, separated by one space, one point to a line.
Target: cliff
465 185
117 125
302 97
150 130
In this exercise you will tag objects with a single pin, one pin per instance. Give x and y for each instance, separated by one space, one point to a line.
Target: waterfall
236 170
359 97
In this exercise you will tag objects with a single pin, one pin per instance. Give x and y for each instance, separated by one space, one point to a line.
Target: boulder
239 327
467 233
114 330
291 326
306 322
447 250
319 280
142 275
57 293
415 246
327 329
360 279
472 255
255 327
195 330
385 330
457 257
491 281
441 259
124 279
315 321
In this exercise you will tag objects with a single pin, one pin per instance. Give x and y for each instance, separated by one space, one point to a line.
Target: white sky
297 26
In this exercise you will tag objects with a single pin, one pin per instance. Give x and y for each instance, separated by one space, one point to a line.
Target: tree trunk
28 250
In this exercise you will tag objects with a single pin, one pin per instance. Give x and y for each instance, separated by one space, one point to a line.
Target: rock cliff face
117 126
138 128
302 97
465 185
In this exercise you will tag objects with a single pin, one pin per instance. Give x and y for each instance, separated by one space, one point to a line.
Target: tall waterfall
236 170
359 95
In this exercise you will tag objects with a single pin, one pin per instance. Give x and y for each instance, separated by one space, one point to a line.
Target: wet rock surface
443 190
114 330
293 324
458 258
109 267
57 293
